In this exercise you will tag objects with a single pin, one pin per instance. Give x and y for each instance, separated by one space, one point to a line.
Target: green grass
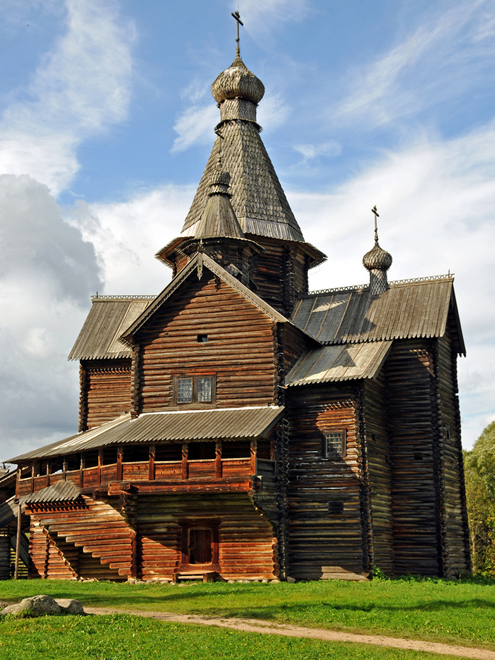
457 612
123 637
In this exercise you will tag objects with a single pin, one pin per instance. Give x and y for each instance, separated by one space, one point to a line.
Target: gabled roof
199 261
408 309
108 318
172 426
330 364
258 199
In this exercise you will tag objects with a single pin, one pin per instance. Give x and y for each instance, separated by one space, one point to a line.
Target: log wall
105 391
246 543
280 273
455 537
324 541
240 347
413 441
379 471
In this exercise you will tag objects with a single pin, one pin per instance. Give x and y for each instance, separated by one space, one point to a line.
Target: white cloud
46 276
81 87
446 56
195 127
273 111
329 149
436 202
127 235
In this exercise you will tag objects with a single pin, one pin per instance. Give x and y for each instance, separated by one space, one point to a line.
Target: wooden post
151 474
218 459
185 453
18 541
81 469
254 444
119 463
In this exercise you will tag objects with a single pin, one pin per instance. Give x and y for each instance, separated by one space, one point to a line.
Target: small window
335 444
201 451
197 389
168 452
136 453
205 389
418 456
336 507
202 339
184 390
236 449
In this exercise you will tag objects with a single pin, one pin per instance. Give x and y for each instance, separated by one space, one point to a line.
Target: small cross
375 213
237 17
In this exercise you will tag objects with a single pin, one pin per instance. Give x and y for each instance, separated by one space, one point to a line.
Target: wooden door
200 545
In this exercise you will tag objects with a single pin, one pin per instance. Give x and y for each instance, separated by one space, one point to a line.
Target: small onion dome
377 259
220 182
218 218
237 82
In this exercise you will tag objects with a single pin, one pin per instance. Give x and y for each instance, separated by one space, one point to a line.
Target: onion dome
377 261
377 258
237 82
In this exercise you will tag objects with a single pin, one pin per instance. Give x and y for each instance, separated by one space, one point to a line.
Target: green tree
480 494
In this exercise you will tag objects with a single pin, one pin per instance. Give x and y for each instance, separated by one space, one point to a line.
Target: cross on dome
237 17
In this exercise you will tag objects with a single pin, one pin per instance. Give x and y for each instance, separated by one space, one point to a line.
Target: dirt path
253 625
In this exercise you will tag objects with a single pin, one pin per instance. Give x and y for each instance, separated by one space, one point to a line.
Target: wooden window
202 339
334 445
194 389
184 390
204 387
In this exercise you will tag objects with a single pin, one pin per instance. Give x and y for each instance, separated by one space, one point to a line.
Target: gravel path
254 625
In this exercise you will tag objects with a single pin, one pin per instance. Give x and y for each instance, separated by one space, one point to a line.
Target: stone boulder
42 605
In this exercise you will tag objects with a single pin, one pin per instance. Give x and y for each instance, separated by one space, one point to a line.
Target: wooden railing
143 471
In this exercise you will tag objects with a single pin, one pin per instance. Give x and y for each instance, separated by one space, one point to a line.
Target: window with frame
194 389
334 444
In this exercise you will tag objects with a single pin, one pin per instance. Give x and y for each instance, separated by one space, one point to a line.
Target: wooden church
238 426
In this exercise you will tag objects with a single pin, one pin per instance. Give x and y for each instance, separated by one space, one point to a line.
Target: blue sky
106 122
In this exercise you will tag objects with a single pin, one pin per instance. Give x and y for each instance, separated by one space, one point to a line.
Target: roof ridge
122 297
363 287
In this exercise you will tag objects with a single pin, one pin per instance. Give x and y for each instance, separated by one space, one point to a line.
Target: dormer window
195 389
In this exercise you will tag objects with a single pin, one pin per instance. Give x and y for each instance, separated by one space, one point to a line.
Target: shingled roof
258 199
108 318
408 309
